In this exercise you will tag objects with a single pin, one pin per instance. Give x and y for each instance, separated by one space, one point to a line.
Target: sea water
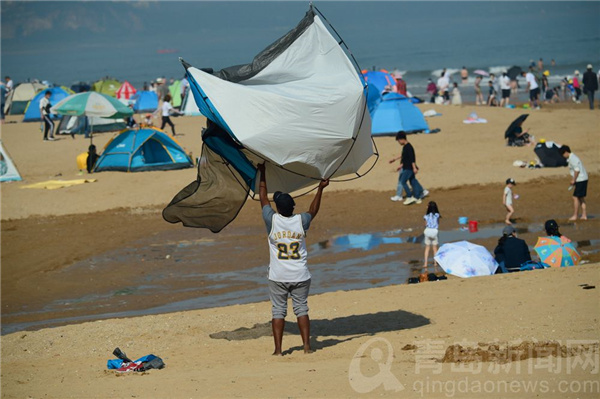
65 42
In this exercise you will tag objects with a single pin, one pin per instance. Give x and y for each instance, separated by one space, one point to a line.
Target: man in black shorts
579 179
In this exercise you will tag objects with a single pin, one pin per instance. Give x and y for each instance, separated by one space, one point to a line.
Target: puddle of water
365 269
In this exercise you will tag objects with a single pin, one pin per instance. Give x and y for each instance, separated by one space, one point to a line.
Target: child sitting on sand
507 199
432 222
148 120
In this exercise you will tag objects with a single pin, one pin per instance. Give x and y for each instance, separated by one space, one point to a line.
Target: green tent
175 90
108 86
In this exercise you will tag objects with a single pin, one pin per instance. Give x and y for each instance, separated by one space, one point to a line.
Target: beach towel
473 118
431 112
55 184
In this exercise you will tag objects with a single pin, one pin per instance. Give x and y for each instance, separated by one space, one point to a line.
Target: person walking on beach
579 180
590 84
288 273
166 110
577 87
507 200
45 114
408 170
533 87
432 222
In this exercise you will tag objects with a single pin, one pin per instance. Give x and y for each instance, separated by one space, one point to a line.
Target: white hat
589 66
576 72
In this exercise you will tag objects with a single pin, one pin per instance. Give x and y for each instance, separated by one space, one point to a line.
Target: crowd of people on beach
500 89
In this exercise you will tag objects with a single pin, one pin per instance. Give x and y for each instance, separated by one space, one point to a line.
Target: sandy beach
54 243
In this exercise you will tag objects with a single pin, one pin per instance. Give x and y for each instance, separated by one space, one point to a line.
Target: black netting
213 200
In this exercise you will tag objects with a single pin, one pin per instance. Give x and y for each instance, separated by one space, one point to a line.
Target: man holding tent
288 274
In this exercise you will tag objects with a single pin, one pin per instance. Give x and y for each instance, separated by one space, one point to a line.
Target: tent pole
91 132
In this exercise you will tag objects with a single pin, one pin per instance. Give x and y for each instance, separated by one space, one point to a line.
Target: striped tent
126 91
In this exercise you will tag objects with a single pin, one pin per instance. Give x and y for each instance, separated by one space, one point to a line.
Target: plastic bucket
463 220
473 226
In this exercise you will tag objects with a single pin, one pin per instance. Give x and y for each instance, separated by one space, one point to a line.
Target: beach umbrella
557 251
465 259
514 72
92 104
481 72
514 125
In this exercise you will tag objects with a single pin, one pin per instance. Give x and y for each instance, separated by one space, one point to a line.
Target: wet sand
145 264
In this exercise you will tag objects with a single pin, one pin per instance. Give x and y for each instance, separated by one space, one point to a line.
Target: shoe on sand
419 201
396 198
410 200
425 193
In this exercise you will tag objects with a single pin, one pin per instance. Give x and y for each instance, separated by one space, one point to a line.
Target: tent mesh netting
215 198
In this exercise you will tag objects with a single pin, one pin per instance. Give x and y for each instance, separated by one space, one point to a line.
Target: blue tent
32 114
145 101
142 150
396 112
379 79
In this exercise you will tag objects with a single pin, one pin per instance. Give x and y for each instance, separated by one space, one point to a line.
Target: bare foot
308 350
584 217
572 218
276 353
508 222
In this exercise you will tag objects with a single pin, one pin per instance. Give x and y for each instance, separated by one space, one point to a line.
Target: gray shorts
431 236
279 292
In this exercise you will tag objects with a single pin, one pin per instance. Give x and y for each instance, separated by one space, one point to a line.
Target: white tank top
287 247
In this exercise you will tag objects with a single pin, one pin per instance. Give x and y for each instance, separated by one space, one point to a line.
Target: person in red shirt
400 86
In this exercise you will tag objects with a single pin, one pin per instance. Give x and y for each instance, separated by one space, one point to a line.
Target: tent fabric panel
395 113
145 101
175 91
151 152
112 161
8 170
213 200
222 144
32 114
265 57
188 106
18 107
300 95
107 86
